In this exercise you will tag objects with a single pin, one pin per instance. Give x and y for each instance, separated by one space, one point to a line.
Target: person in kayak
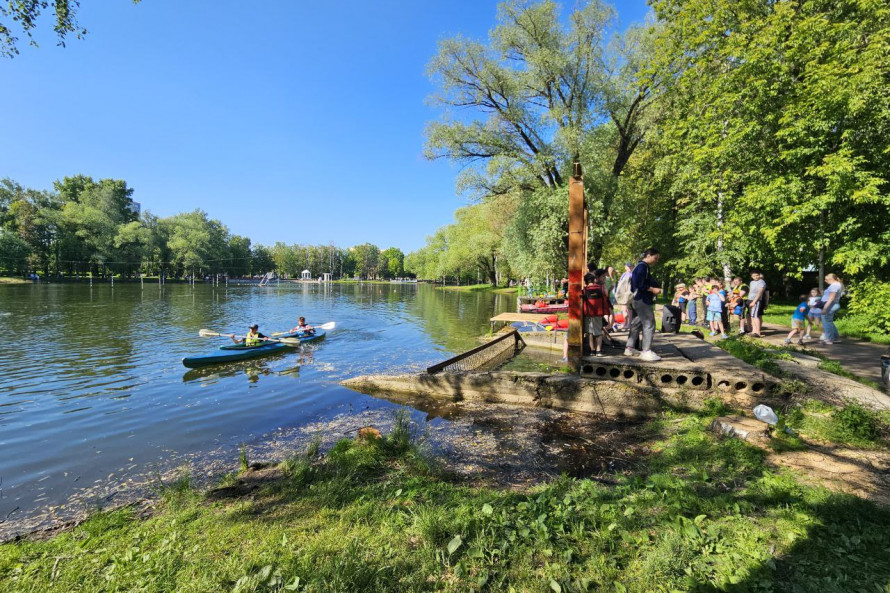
303 327
253 337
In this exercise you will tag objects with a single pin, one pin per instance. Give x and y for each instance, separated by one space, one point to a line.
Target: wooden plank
577 261
510 317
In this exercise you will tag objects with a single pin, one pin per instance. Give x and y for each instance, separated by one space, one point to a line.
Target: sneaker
800 342
631 351
741 332
649 356
563 359
712 334
599 354
787 341
723 336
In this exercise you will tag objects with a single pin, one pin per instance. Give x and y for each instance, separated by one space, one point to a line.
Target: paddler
303 327
253 337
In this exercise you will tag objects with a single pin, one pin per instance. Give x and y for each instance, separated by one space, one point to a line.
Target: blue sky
288 121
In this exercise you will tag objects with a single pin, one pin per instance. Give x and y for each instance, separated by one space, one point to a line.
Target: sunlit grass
703 513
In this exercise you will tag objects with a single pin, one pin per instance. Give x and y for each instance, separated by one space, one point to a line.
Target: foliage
869 302
775 118
472 248
851 424
536 93
88 226
13 254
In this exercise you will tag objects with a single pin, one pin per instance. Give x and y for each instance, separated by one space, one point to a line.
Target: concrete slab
747 429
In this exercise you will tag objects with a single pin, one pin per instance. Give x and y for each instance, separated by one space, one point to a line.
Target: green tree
367 260
540 88
13 253
776 122
392 263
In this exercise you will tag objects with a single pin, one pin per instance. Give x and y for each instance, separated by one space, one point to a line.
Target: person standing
831 302
623 295
644 289
756 302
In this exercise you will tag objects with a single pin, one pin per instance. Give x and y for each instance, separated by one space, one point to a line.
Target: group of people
723 308
628 304
739 307
255 338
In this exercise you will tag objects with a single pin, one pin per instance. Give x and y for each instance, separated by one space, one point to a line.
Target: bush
868 303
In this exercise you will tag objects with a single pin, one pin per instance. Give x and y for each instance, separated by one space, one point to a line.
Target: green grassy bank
479 288
12 280
698 513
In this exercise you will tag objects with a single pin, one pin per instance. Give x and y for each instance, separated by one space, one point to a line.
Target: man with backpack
644 289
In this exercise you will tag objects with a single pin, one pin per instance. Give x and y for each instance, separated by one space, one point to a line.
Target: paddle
206 333
328 325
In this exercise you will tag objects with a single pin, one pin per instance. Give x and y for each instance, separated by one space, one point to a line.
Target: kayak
234 352
556 308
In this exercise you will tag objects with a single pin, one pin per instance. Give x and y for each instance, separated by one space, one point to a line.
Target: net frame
485 357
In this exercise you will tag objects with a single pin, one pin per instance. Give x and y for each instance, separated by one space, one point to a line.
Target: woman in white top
831 302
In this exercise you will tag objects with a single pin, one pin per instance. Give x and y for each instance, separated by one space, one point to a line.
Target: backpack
595 302
622 291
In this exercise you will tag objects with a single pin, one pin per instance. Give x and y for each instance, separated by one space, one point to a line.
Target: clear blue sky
290 121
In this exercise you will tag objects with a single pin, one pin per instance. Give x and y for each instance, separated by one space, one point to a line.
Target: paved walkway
863 359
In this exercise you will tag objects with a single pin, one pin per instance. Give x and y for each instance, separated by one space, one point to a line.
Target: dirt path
863 359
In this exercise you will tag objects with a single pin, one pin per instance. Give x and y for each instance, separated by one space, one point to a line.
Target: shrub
868 302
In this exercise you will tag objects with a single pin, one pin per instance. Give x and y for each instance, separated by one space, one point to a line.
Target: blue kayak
234 352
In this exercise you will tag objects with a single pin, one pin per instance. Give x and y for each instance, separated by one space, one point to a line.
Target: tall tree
538 89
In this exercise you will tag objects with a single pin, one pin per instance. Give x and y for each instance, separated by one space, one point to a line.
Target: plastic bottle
766 414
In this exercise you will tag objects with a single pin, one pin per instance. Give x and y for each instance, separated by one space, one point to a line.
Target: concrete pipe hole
613 372
601 371
587 369
757 387
681 380
723 384
698 381
628 374
740 385
666 378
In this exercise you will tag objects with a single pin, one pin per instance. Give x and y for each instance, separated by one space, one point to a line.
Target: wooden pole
577 263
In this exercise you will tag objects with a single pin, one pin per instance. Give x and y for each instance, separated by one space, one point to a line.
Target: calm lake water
91 381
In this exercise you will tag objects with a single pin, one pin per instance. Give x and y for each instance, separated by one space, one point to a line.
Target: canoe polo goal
486 357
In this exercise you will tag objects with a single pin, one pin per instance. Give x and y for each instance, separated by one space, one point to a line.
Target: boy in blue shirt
799 320
715 311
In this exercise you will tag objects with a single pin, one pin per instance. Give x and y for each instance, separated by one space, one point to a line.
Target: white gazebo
326 277
306 275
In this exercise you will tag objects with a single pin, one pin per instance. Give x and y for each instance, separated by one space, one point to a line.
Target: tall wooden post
577 262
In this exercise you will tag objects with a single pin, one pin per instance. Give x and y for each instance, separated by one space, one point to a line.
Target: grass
704 514
12 280
851 425
468 287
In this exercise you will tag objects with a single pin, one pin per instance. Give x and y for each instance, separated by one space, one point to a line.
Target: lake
92 386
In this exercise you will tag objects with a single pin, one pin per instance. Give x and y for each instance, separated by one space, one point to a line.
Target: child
691 308
596 306
799 320
815 313
681 298
303 327
715 311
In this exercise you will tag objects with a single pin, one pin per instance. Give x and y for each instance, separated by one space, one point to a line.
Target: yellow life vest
251 339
